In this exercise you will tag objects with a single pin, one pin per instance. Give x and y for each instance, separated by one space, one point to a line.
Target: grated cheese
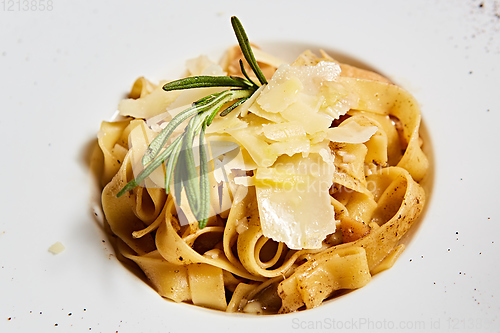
56 248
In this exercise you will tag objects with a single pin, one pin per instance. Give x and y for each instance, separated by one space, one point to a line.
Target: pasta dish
261 186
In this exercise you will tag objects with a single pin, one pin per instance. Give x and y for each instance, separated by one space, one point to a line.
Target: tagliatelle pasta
314 181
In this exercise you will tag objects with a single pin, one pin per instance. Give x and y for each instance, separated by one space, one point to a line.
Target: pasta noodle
370 162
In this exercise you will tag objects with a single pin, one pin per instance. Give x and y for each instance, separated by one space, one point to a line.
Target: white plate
64 68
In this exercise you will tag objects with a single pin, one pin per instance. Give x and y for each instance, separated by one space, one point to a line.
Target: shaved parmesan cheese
267 58
277 96
348 158
351 132
338 99
216 148
242 225
284 131
305 111
237 159
294 202
155 122
257 147
311 77
289 81
244 180
148 106
252 139
291 147
199 65
326 154
222 124
56 248
256 109
243 108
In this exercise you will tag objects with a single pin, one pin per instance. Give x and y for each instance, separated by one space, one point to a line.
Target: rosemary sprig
178 156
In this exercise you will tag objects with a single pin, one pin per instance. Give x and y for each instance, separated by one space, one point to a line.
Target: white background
64 70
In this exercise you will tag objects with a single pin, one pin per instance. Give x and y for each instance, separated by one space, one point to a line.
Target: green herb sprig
178 156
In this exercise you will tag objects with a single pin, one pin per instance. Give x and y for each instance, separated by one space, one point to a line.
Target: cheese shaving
351 132
56 248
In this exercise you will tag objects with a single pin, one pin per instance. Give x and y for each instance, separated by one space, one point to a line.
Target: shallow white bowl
65 69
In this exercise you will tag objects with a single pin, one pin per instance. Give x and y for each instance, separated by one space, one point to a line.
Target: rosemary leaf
244 72
178 175
246 49
232 107
230 96
207 99
205 82
190 172
172 161
247 81
130 186
189 177
204 208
